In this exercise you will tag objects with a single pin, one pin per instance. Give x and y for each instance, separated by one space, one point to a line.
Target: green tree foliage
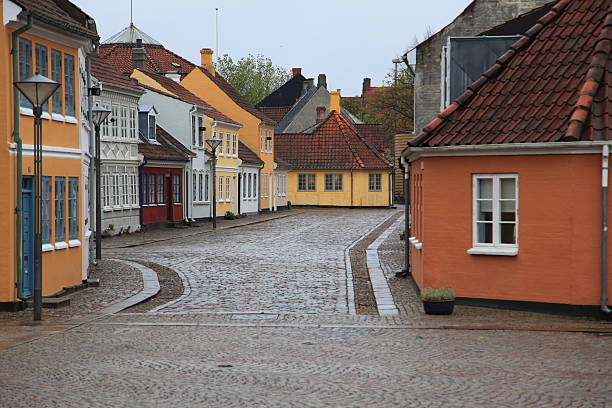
254 76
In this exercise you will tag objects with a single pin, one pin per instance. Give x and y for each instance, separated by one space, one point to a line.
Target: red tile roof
61 13
236 97
276 114
334 144
554 84
167 148
373 133
158 59
185 95
247 155
105 72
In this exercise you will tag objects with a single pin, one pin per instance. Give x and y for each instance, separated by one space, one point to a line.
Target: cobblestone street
262 320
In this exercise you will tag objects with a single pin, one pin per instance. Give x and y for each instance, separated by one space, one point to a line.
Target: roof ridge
492 72
592 83
342 124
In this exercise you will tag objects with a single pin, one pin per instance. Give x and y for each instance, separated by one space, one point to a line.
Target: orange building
508 184
51 38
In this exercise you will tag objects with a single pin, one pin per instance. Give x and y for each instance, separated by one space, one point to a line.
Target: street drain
255 316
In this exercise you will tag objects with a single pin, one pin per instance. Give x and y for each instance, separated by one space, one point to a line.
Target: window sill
161 205
415 243
47 247
107 209
177 203
74 243
61 245
57 117
117 207
71 119
45 115
26 111
496 251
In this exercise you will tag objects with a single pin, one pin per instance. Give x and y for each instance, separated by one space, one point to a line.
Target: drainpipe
259 190
406 271
141 190
92 154
189 206
17 137
390 191
604 229
351 188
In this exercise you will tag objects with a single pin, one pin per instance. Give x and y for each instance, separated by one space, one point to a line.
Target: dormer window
175 65
151 134
147 121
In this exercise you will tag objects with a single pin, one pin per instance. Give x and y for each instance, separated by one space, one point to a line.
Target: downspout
390 181
351 188
213 173
19 143
189 206
259 190
141 190
406 271
92 154
604 228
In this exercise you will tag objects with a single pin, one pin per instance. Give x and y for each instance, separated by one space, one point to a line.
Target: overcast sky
345 39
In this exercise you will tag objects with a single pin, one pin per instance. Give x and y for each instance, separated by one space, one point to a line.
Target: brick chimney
139 56
296 71
367 84
322 81
320 113
206 55
334 101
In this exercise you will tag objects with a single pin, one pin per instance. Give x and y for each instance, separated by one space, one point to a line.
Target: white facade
182 120
119 159
249 188
280 193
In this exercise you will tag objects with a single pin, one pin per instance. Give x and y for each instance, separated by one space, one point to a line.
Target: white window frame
133 123
495 248
221 189
221 152
374 182
228 189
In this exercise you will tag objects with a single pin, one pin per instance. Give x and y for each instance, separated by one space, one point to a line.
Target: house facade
351 174
509 183
52 40
119 148
248 181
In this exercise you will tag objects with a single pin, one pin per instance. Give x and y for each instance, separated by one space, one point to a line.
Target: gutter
605 154
19 142
92 154
406 271
141 188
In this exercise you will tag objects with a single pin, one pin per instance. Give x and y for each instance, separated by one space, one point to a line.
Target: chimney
367 84
296 71
334 101
139 56
320 113
207 58
307 84
322 81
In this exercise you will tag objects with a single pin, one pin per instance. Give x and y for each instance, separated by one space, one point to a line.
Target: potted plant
438 301
229 215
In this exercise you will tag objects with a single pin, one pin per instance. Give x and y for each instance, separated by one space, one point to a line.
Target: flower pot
439 308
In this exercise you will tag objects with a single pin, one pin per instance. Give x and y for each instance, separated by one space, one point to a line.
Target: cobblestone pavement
289 265
288 357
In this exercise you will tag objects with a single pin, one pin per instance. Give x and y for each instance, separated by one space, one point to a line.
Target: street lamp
99 116
214 143
37 89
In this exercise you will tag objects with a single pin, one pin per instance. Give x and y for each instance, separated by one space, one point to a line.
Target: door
169 198
27 237
235 196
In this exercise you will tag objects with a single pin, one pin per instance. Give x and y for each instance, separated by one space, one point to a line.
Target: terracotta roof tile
334 144
167 148
105 72
62 13
373 133
247 155
554 84
276 114
159 59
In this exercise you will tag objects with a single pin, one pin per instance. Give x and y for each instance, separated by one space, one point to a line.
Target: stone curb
150 289
154 241
384 298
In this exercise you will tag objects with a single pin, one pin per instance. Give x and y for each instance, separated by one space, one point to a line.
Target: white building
248 183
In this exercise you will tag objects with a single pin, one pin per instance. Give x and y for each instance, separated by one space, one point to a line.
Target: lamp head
213 143
99 115
37 89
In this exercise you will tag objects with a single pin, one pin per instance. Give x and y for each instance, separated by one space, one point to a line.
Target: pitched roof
276 114
104 72
520 24
247 155
61 13
158 59
180 92
373 133
334 144
167 147
286 95
554 84
236 97
129 35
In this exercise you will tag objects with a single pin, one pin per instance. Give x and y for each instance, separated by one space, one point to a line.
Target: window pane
485 188
508 210
508 188
60 209
42 67
25 65
508 233
69 84
56 75
485 233
485 210
73 208
46 210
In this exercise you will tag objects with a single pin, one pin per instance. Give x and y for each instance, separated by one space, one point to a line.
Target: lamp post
37 89
99 116
214 143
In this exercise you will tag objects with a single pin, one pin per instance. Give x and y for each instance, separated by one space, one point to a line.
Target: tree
254 76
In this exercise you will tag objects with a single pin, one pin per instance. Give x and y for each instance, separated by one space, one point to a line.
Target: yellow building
258 130
333 165
51 40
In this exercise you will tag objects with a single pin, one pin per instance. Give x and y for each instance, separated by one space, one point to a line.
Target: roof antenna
131 13
217 31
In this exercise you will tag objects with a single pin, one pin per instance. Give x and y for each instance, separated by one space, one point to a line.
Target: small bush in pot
229 215
438 301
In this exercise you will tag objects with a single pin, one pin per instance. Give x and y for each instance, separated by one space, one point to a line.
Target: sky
346 40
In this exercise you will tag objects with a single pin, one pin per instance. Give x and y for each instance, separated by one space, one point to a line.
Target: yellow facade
62 263
254 133
227 166
355 189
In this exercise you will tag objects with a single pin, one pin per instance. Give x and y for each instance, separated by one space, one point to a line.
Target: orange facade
559 228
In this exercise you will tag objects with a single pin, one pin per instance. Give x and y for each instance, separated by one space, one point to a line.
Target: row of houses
508 168
156 166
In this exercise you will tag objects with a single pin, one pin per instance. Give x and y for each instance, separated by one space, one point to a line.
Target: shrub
437 294
229 215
